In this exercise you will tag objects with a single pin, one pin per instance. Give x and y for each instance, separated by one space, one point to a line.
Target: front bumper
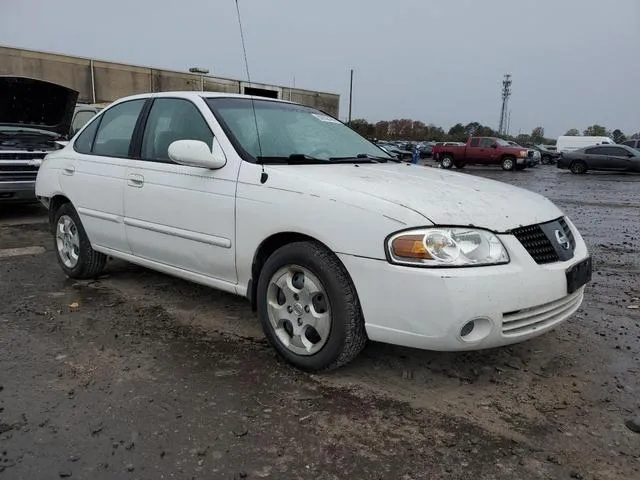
427 308
20 191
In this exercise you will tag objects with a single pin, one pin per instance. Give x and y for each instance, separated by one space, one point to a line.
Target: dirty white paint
17 252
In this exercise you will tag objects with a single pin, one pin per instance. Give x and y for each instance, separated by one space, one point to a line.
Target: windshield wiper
359 157
293 159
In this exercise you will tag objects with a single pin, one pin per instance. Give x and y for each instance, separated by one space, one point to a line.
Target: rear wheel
508 163
578 167
546 160
446 161
72 246
309 309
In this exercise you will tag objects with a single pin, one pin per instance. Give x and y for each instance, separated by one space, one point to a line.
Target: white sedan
331 239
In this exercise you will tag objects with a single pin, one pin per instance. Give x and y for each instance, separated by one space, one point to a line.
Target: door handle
135 180
69 170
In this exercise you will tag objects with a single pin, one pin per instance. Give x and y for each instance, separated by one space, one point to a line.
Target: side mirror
495 145
195 153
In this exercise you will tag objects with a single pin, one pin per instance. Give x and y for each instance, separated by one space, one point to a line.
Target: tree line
407 129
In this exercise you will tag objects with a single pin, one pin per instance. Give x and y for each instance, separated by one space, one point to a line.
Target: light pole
202 72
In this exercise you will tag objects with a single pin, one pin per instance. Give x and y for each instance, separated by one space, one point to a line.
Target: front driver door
176 215
619 158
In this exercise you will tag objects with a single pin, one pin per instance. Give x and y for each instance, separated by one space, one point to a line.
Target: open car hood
32 103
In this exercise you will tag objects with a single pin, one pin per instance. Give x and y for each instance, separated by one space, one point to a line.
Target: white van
570 143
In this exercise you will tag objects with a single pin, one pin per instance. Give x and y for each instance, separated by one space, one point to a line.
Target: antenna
264 176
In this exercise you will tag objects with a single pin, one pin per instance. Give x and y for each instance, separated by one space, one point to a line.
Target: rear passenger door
93 179
178 216
597 158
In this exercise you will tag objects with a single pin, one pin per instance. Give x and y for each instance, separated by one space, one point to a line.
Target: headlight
523 153
446 247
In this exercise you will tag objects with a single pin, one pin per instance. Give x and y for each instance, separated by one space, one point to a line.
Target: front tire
309 308
578 167
508 163
72 246
447 161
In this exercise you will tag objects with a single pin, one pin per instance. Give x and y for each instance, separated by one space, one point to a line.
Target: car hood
442 197
29 102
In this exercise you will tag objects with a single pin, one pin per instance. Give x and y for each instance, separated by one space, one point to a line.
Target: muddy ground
139 375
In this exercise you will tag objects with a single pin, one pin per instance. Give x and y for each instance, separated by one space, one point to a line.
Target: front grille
536 242
541 241
18 167
528 320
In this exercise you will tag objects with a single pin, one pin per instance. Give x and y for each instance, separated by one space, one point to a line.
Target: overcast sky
574 62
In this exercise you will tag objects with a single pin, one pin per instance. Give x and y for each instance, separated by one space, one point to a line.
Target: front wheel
508 163
578 167
73 248
309 309
447 161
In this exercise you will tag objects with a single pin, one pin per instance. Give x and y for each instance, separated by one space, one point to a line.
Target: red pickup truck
482 151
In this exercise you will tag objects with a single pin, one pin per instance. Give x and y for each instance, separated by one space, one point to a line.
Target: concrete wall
111 81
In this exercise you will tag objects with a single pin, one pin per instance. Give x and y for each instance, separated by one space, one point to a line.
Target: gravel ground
139 375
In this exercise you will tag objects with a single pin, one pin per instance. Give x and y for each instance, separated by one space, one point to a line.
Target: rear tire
308 271
447 161
508 163
546 160
578 167
72 246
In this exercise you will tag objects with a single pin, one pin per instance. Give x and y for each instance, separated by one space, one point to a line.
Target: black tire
546 160
347 335
447 161
578 167
90 263
508 163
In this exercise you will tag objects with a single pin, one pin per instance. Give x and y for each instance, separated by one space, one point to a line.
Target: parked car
483 151
633 143
400 154
568 143
604 157
533 160
331 240
547 155
34 116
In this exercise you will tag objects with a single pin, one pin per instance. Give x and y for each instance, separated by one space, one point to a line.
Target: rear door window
597 151
116 129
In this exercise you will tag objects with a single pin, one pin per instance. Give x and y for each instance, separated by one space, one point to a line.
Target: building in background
101 82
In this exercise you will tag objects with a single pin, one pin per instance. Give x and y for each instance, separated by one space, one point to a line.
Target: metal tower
506 93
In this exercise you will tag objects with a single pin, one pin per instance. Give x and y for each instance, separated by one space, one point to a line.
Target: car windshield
282 132
504 143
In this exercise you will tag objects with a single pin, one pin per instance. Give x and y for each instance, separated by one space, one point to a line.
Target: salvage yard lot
140 375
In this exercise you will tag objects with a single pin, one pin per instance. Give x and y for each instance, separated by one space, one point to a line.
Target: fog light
476 330
467 328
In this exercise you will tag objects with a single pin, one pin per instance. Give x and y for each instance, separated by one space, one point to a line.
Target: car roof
193 95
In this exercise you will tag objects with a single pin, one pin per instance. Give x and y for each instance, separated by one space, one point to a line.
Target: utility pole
506 93
350 95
